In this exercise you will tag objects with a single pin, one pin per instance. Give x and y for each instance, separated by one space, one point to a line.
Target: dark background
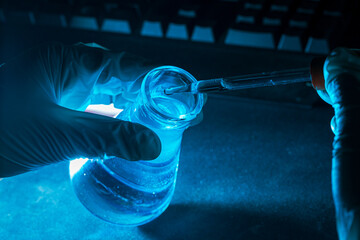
257 167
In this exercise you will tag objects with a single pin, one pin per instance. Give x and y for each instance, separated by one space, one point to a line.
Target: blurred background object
216 38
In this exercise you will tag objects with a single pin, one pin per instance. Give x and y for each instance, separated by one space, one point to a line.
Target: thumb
80 134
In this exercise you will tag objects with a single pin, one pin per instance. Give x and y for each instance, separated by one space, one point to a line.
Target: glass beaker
134 193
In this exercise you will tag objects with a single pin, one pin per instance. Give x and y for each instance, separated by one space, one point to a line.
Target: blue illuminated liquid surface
132 193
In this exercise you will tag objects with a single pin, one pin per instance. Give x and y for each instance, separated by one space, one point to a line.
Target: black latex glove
342 82
42 97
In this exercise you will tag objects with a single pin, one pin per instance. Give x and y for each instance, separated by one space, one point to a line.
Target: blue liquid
133 193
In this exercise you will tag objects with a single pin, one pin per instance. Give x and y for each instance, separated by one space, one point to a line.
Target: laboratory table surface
251 170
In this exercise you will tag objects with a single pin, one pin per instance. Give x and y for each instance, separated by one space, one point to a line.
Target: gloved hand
342 83
42 97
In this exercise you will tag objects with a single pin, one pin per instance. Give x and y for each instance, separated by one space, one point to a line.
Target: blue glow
182 116
76 165
317 46
133 193
104 109
203 34
250 39
177 31
291 43
116 25
151 29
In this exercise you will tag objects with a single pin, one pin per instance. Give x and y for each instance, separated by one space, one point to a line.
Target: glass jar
134 193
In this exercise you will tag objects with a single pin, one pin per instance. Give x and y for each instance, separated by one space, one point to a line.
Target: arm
342 82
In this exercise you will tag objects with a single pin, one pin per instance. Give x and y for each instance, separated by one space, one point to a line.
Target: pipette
314 75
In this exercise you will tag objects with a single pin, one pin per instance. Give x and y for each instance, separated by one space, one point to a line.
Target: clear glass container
134 193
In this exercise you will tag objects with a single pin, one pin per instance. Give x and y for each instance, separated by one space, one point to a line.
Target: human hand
342 83
42 97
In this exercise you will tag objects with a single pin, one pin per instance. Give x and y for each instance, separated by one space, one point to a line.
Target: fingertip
150 145
144 143
92 135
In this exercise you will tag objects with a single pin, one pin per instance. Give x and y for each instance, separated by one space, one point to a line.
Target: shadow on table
215 222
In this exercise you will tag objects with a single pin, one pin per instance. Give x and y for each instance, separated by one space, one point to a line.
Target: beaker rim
198 97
